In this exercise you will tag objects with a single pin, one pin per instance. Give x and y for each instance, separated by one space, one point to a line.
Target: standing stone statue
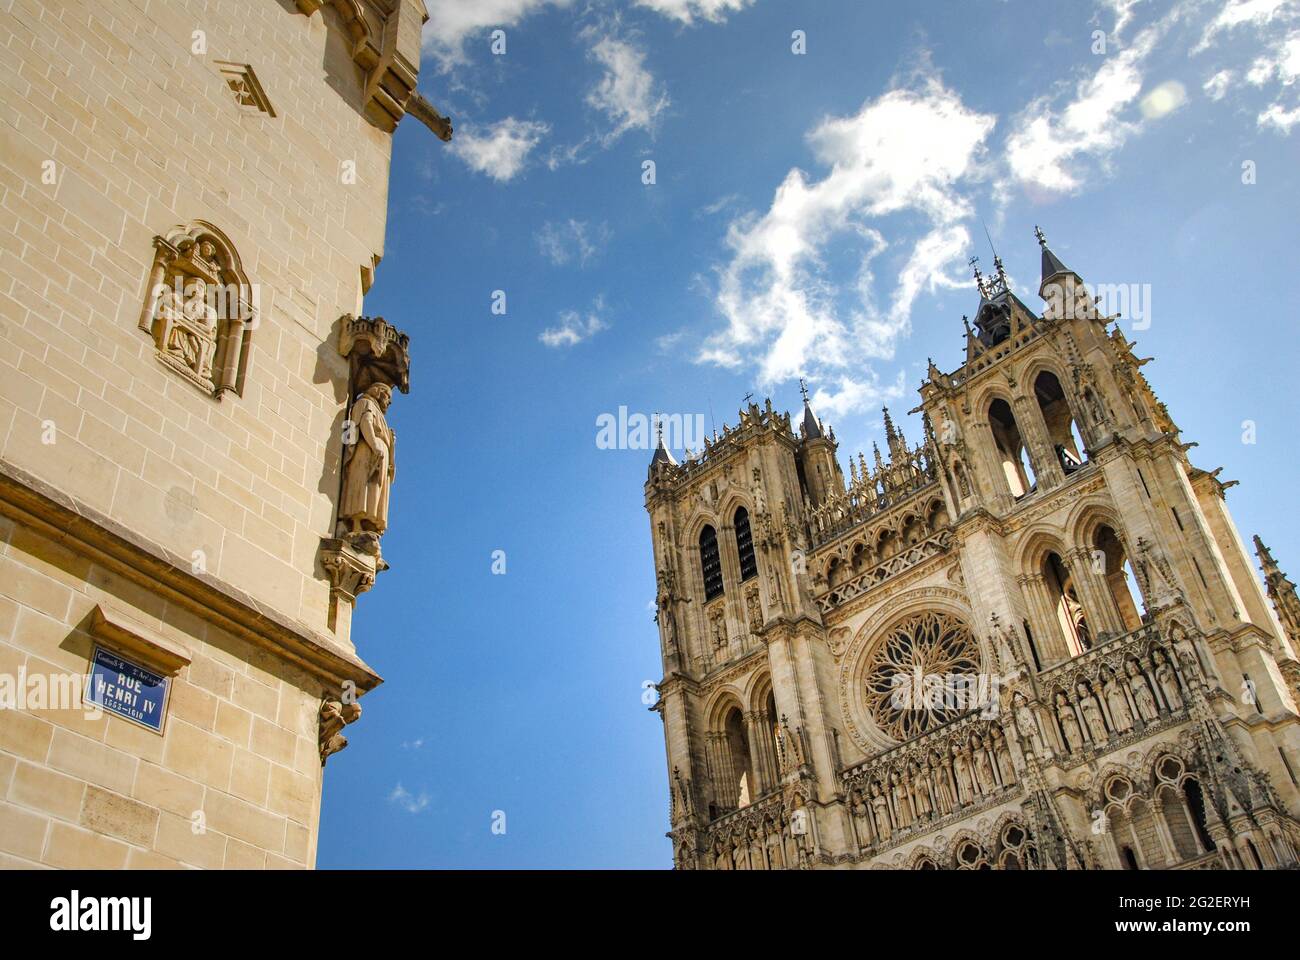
1092 715
369 467
1142 696
1118 703
1069 724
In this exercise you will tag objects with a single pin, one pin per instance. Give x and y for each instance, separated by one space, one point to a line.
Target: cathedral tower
1035 640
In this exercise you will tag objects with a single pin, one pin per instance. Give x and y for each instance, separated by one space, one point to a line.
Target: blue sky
811 214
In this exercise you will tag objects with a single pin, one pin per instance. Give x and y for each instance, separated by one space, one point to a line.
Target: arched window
1065 601
745 545
1061 428
738 787
710 564
1109 554
1016 465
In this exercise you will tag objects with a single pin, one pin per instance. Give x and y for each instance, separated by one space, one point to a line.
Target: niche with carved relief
200 308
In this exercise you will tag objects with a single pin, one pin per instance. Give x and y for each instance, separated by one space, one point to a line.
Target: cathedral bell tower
970 653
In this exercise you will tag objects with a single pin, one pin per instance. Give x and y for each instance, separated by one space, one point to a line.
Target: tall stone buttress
1033 640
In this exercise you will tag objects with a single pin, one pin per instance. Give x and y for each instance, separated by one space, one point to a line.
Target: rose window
922 673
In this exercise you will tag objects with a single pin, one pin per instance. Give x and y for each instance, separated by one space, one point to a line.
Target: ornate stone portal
378 362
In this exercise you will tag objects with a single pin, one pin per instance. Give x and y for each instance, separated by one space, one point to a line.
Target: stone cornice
34 503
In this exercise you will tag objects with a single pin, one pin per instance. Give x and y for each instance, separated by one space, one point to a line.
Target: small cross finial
803 390
659 429
748 397
1042 237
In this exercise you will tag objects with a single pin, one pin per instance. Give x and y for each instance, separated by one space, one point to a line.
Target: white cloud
407 800
500 150
1047 148
627 92
1217 86
575 327
1123 15
687 10
853 396
1236 13
576 241
452 22
786 311
1279 117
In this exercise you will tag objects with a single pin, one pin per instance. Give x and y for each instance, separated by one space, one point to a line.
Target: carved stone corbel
334 716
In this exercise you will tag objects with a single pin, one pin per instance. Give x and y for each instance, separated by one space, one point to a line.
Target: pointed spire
894 437
1281 593
880 464
812 427
661 454
979 277
1052 265
1266 560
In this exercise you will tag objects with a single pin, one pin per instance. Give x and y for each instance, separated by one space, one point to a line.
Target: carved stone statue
961 771
1168 682
1069 724
1092 715
921 790
368 467
880 811
1025 724
1006 768
983 768
1142 695
1120 715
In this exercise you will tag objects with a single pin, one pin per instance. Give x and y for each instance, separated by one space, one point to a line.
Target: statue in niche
961 770
1092 715
1142 695
1168 682
1069 724
983 768
943 791
368 468
880 811
1120 714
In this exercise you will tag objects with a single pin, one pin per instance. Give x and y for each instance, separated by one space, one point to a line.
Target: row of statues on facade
1128 701
935 784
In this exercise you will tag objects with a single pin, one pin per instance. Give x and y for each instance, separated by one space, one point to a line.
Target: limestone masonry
194 198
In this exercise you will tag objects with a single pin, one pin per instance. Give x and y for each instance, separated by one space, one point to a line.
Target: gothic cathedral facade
1033 641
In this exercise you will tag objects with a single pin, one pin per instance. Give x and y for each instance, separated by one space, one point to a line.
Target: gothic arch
1035 544
1087 515
719 703
757 688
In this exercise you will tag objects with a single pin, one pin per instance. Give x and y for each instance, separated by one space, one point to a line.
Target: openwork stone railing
879 573
872 494
931 781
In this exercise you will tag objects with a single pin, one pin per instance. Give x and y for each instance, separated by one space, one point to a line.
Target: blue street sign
127 689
